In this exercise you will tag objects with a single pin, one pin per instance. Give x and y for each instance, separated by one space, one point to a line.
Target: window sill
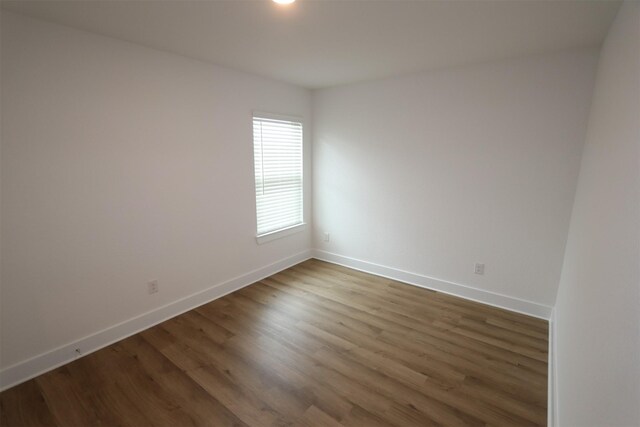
264 238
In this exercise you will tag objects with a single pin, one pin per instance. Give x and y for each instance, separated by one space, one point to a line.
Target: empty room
320 213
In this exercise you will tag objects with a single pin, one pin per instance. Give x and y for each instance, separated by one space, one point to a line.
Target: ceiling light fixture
283 1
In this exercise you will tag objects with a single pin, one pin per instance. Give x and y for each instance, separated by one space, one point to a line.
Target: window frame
293 229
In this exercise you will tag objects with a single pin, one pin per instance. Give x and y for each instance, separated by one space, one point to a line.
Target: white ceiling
320 43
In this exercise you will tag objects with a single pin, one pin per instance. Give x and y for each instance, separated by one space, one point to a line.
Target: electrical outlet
152 287
327 237
479 268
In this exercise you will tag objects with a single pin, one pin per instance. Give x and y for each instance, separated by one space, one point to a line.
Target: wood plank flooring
314 345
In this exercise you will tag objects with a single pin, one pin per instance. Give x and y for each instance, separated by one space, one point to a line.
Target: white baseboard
467 292
52 359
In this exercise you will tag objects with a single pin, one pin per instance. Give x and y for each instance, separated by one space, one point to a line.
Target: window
277 155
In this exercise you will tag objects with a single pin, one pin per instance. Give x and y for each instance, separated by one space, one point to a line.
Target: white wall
121 164
598 304
432 172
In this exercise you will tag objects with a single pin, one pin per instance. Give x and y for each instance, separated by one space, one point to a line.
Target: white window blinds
277 148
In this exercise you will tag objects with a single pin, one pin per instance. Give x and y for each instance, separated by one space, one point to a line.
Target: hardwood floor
314 345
